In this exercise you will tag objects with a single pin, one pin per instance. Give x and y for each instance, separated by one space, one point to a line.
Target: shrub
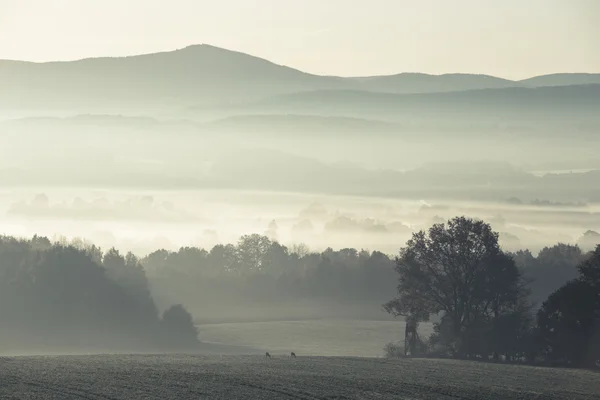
179 328
394 350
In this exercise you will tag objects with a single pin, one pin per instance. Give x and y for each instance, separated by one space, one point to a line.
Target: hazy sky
509 38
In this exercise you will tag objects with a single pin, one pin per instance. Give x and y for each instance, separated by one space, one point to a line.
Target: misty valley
192 220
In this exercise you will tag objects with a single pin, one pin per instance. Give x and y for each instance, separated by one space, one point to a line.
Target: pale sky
508 38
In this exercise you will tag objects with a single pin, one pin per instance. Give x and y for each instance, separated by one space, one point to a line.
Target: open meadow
254 377
335 338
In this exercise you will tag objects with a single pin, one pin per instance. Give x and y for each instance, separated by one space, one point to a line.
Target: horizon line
74 60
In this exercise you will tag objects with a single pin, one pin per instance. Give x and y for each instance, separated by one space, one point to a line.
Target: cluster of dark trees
484 303
481 298
553 267
56 297
258 278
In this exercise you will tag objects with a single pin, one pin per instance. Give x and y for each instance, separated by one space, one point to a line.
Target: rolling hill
285 124
425 83
575 103
205 75
192 75
561 80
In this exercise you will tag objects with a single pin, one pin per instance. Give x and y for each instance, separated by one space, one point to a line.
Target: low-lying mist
142 221
182 146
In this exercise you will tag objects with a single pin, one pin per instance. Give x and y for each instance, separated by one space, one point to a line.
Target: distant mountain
91 124
506 105
82 120
302 124
424 83
560 110
195 74
561 80
203 75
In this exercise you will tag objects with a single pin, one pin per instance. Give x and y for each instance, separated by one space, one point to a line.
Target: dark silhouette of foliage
259 275
569 321
59 297
178 327
590 268
554 266
458 271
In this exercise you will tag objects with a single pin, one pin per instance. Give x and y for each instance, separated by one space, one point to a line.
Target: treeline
484 303
258 278
481 299
58 297
550 269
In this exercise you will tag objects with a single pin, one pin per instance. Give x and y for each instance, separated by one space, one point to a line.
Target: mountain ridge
206 46
205 75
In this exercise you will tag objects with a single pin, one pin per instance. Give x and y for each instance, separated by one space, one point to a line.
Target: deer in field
267 355
293 355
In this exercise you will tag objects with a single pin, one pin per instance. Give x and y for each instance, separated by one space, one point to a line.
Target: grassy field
351 338
254 377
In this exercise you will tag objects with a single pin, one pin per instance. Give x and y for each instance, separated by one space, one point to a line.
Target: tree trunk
410 336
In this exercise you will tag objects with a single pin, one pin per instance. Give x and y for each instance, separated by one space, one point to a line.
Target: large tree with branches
458 271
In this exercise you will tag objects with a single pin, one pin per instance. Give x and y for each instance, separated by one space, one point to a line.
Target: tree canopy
56 296
458 271
569 321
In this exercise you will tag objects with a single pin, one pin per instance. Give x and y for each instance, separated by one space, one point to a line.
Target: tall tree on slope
458 270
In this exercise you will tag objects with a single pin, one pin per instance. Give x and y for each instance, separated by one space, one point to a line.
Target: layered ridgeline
175 107
204 117
207 75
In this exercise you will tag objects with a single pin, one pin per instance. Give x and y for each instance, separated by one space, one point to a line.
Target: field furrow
105 377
